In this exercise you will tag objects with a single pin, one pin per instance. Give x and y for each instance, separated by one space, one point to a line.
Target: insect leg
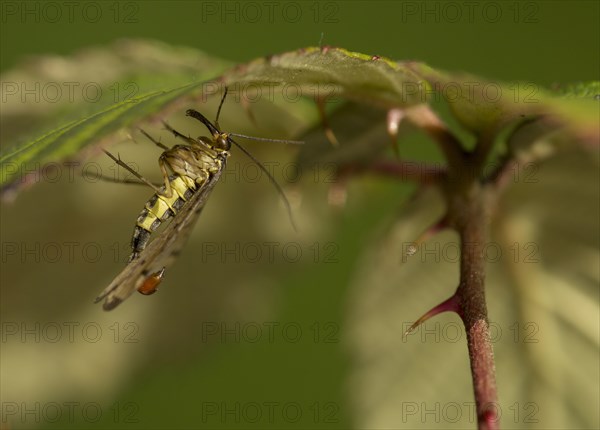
133 172
191 141
188 139
163 168
124 181
156 142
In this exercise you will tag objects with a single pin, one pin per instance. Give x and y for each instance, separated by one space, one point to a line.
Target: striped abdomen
159 209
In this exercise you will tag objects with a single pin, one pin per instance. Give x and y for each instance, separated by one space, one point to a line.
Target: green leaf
336 73
163 78
578 90
361 131
129 81
484 106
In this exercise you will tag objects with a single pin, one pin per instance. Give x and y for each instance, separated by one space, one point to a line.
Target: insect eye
223 142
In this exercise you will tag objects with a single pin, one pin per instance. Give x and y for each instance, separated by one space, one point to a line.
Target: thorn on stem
426 119
449 305
320 101
434 229
394 118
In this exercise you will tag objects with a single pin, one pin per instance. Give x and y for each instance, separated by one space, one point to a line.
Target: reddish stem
471 222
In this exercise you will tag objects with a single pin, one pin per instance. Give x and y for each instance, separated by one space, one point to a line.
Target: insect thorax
194 162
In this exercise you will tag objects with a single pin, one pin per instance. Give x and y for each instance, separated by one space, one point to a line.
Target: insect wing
161 252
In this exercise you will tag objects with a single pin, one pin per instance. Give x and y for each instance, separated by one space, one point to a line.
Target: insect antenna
286 202
219 109
262 139
197 115
215 130
265 139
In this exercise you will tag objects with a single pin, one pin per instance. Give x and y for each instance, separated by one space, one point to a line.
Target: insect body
190 173
196 167
193 167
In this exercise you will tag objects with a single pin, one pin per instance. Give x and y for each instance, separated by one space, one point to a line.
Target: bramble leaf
135 80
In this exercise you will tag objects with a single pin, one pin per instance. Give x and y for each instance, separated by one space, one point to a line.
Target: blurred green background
275 343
